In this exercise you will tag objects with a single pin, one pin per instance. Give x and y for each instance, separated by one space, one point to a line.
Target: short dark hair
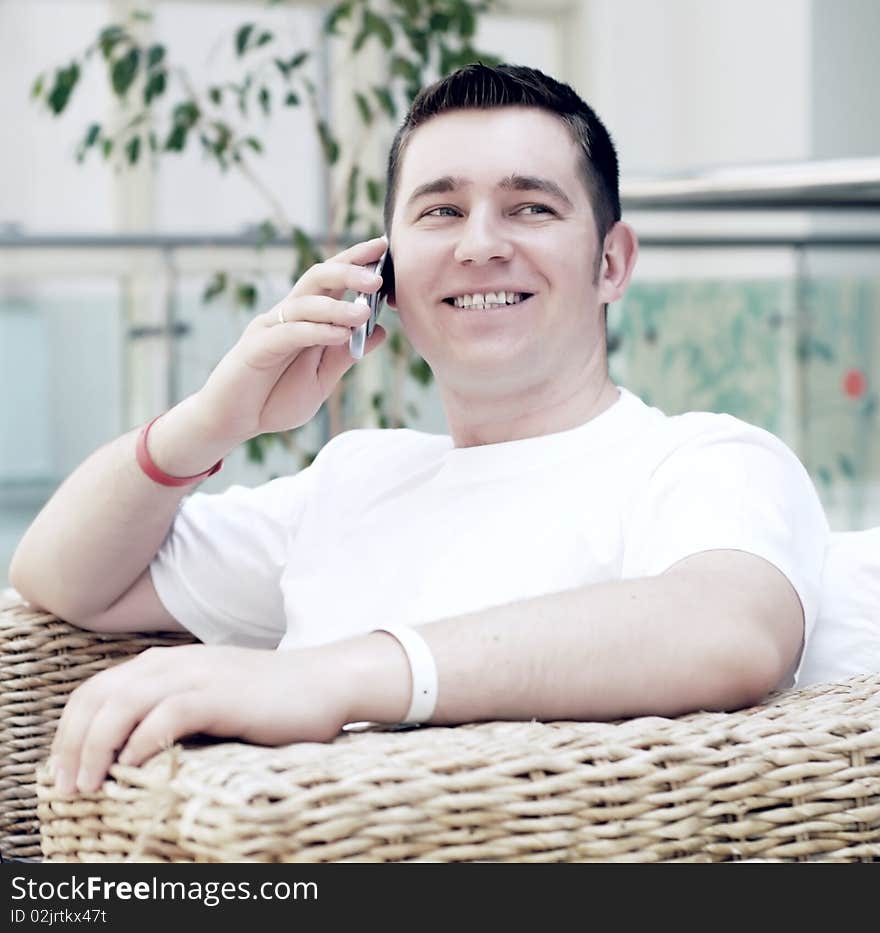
479 86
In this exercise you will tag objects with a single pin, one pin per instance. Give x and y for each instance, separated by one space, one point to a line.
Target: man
567 552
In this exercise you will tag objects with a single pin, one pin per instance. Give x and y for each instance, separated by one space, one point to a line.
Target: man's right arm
86 556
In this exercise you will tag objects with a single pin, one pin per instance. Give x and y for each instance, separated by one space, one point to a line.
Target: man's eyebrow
448 183
438 186
534 183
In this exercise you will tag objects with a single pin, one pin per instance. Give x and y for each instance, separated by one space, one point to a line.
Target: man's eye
434 209
543 208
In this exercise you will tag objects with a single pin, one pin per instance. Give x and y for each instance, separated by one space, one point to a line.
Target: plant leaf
351 196
410 7
328 143
364 108
378 26
65 82
124 71
242 36
846 466
266 232
383 95
418 39
405 68
467 22
176 140
155 54
186 114
246 294
155 86
254 448
339 12
109 38
133 149
421 372
374 191
306 254
215 287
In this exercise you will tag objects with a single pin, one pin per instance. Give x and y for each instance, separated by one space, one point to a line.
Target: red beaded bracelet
145 461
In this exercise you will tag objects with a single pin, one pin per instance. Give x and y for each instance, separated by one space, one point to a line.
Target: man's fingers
360 253
101 712
107 733
81 708
174 717
348 270
336 361
315 309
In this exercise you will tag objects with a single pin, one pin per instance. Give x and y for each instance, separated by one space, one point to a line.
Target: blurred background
749 143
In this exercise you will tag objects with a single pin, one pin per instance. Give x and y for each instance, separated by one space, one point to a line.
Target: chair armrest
796 778
42 660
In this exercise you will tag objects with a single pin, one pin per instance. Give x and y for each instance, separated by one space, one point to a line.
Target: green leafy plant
422 39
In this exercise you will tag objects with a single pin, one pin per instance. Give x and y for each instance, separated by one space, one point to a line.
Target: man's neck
476 422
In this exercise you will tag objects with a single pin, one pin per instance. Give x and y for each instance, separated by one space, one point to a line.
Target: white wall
845 78
684 84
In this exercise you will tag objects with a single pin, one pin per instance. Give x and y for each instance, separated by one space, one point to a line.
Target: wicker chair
794 779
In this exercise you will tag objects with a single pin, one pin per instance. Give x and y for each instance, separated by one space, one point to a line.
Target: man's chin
485 377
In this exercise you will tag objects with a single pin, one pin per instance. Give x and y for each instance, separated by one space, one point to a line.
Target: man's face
493 201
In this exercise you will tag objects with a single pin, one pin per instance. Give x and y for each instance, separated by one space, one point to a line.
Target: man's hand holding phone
289 359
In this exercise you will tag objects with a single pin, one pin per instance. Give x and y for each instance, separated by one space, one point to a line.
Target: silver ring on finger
281 319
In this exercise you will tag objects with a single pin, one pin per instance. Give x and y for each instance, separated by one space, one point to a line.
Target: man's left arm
715 631
718 630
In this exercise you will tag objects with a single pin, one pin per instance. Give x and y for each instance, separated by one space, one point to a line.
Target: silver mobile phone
359 335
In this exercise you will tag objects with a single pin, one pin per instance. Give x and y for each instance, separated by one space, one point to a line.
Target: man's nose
482 239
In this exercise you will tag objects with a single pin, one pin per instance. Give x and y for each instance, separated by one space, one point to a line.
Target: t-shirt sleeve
730 486
218 571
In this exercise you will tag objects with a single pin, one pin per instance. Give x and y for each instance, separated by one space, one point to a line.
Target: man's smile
488 301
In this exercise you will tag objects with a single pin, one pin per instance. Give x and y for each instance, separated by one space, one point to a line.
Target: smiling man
566 552
494 202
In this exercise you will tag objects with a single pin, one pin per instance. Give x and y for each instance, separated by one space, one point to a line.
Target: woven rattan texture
41 661
797 778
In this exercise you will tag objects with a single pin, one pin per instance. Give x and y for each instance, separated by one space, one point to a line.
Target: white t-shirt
399 526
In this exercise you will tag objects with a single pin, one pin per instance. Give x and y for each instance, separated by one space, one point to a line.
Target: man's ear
620 251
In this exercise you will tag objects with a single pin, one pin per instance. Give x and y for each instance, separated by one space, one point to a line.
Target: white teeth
489 298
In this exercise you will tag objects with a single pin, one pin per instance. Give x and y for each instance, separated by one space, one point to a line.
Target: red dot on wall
854 383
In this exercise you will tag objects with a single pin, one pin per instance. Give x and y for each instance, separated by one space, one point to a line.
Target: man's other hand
142 706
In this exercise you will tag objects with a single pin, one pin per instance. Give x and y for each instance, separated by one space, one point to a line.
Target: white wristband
423 671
